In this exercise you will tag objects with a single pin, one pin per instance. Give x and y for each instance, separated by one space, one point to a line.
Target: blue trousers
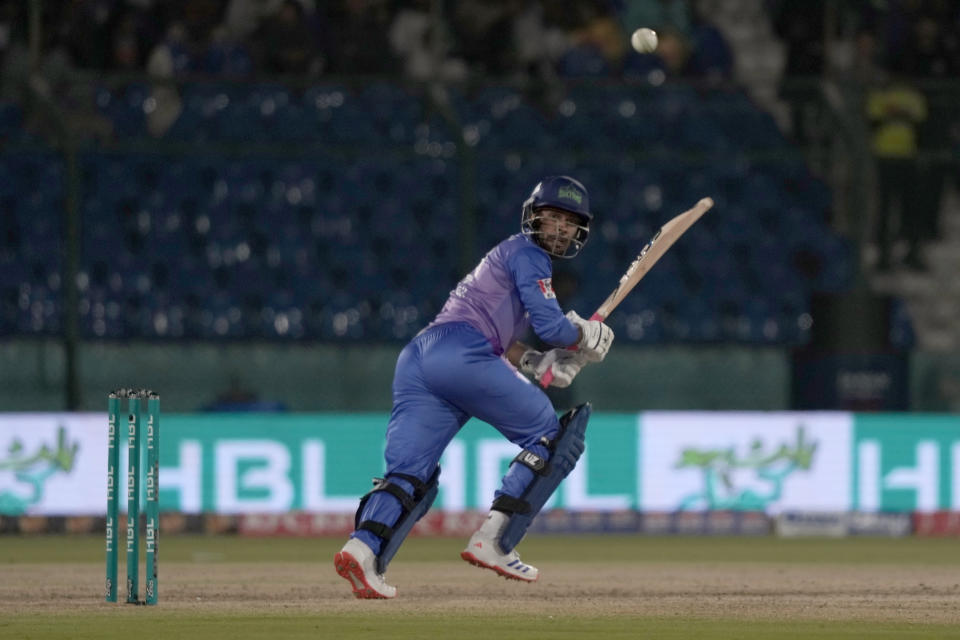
444 376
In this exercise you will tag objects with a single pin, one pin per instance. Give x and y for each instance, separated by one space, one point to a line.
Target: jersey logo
546 288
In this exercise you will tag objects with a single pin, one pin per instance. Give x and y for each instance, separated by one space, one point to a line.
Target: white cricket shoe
483 551
357 564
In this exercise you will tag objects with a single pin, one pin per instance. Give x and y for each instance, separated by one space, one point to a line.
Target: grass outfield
591 587
503 626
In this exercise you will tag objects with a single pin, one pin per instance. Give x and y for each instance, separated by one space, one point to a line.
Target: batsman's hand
596 337
563 364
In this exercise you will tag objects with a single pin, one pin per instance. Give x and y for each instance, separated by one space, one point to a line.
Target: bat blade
658 245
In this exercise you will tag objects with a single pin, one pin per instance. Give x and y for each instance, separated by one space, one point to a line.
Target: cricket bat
659 244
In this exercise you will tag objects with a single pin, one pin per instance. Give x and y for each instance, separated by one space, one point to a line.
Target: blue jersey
454 370
510 290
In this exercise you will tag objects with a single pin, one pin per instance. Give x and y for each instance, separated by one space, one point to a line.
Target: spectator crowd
894 61
423 39
455 38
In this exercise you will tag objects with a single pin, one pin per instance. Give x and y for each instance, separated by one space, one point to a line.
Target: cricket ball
644 40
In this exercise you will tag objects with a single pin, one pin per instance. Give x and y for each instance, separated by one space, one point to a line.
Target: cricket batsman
457 368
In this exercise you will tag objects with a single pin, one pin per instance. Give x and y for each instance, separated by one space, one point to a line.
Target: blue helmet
563 193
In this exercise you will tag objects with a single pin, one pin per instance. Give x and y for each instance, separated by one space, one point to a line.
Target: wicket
135 406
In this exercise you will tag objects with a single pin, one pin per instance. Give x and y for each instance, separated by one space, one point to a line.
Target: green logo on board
747 481
31 469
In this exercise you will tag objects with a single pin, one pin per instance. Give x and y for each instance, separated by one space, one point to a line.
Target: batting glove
562 363
597 337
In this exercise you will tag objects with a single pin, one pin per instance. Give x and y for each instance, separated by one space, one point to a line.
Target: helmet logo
564 237
569 193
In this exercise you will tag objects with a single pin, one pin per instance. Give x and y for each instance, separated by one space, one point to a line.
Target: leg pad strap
509 504
413 508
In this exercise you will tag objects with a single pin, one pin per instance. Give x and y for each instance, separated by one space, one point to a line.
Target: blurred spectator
928 53
86 29
226 56
127 55
598 43
711 57
359 43
538 43
539 46
801 27
172 54
865 69
288 44
476 24
674 50
929 57
853 76
8 19
896 110
858 71
531 37
242 18
167 60
198 17
424 44
59 105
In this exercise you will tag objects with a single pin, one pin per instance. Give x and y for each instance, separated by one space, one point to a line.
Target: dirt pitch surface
748 591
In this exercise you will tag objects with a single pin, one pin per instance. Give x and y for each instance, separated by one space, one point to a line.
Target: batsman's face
557 229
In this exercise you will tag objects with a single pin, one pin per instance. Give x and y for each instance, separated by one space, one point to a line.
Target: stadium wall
357 377
343 377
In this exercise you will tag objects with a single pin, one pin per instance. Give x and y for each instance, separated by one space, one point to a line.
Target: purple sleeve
533 276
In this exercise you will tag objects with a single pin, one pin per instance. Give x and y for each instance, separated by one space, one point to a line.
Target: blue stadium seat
125 108
393 109
364 246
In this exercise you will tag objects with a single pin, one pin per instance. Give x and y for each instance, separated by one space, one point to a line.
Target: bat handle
547 376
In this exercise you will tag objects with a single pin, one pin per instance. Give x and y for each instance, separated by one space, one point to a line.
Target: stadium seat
359 232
